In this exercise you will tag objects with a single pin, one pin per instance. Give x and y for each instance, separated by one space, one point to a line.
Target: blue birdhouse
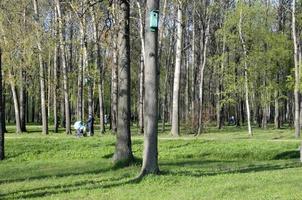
154 20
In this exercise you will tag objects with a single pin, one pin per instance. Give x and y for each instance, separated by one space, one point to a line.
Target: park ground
225 164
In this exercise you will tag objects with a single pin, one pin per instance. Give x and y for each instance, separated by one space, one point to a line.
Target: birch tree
176 85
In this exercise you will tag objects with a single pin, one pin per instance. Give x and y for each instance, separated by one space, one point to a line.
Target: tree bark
203 61
16 103
22 101
2 131
123 151
64 66
246 88
114 86
42 76
297 72
141 72
150 157
176 85
99 65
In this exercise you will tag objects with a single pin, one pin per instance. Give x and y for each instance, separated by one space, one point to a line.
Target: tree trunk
141 72
55 90
150 157
65 75
114 87
297 72
176 85
123 151
16 104
204 44
81 66
42 76
22 101
99 66
2 152
246 88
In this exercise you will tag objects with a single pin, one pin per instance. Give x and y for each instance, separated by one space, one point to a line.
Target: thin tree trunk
81 66
55 90
202 67
42 76
141 72
65 75
297 72
22 101
246 88
2 131
16 104
114 87
123 151
176 85
150 156
99 65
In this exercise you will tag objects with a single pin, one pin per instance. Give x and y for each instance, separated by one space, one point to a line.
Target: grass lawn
223 164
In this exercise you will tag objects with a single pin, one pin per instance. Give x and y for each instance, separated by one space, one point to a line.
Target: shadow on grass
244 169
67 188
88 184
59 175
287 155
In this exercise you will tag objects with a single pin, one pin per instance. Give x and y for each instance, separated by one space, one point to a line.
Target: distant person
106 119
90 123
232 120
80 128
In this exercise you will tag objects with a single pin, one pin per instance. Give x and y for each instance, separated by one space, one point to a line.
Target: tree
64 66
2 155
176 85
123 151
150 156
245 75
297 71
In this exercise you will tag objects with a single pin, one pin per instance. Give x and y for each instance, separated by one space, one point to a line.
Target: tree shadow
244 169
287 155
81 185
60 175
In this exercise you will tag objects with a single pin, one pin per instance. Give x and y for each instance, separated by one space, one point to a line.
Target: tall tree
2 155
150 157
41 73
64 66
246 87
123 151
297 71
176 85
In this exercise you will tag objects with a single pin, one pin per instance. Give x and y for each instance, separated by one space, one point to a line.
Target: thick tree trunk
150 157
246 88
2 131
42 76
65 75
123 151
176 85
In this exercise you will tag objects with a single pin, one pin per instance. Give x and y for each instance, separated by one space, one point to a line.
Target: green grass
225 164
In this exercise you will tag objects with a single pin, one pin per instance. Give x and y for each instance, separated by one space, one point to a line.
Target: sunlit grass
219 164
